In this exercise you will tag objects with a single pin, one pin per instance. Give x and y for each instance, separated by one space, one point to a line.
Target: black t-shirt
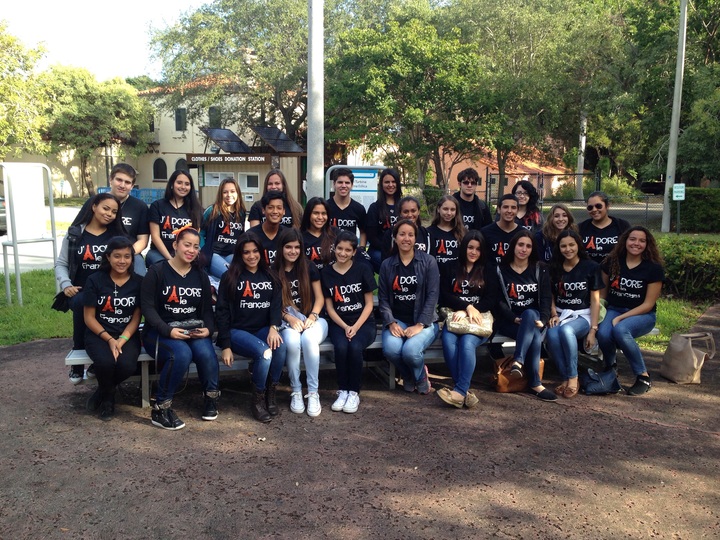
169 219
475 213
134 216
573 289
114 306
258 214
377 227
457 294
522 289
89 255
498 241
351 218
404 293
180 297
226 235
292 279
269 246
313 249
600 242
443 245
257 302
347 291
628 290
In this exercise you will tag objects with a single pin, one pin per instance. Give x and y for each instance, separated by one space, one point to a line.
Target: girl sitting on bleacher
112 317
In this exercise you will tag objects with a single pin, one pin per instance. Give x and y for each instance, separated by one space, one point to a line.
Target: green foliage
700 211
34 319
20 103
673 316
432 195
618 189
692 266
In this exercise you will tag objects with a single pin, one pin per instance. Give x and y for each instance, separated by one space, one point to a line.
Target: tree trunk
422 167
502 157
581 158
86 177
440 177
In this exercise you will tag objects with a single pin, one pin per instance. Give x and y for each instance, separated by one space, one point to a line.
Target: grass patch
34 319
673 316
67 201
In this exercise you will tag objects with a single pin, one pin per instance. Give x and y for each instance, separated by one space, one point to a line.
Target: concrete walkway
404 466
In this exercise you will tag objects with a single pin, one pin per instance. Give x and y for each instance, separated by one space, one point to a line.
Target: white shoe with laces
313 406
352 403
339 404
297 405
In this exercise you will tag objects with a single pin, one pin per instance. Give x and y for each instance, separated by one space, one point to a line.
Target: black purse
61 302
593 383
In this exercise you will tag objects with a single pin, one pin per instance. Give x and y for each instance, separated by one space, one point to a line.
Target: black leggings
108 371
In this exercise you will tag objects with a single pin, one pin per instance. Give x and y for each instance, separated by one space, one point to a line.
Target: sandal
560 389
571 392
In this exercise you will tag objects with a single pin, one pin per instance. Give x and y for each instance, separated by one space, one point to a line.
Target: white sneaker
313 408
352 403
339 404
297 405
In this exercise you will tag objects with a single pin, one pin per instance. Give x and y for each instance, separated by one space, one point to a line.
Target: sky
110 41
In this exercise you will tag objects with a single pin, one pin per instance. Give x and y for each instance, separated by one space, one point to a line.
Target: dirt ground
404 466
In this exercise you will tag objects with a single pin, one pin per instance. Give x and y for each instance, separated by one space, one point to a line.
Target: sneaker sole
314 414
158 424
209 418
76 381
350 411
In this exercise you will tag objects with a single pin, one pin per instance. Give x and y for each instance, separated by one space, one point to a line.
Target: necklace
180 272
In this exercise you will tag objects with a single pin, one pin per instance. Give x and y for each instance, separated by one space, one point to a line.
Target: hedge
692 267
699 212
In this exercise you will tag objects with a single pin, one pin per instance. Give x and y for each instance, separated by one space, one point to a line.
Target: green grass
673 315
34 319
68 201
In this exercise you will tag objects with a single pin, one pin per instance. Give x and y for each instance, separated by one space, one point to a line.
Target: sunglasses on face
469 183
596 206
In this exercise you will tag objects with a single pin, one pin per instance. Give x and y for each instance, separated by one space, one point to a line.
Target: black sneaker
90 371
107 410
642 386
93 402
210 411
76 374
166 418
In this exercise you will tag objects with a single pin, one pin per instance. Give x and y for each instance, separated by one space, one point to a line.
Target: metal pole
316 106
675 118
580 169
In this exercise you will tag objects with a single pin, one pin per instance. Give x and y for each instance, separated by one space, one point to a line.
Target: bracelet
101 333
316 315
124 337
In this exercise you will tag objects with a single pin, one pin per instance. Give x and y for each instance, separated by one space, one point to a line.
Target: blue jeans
219 264
139 265
153 256
309 343
408 354
349 353
562 343
174 357
265 360
375 259
622 336
459 352
528 341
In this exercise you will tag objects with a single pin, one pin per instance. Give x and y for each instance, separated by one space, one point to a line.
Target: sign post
678 195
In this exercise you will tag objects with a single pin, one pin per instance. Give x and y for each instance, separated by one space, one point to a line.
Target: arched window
181 165
159 169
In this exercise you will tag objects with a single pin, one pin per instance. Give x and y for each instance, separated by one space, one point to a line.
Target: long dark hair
114 244
237 266
457 227
218 207
532 213
558 259
396 228
619 252
182 233
403 202
509 257
383 210
302 272
190 201
550 231
327 234
115 227
476 277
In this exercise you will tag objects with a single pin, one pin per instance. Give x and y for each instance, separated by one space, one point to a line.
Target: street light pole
315 101
675 119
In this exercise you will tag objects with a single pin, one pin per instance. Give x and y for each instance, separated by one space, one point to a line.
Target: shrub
616 188
432 195
692 266
699 212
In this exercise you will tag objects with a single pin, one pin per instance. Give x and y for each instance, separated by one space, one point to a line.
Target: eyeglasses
469 183
596 206
519 193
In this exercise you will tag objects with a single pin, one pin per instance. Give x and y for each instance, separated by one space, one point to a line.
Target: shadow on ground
404 466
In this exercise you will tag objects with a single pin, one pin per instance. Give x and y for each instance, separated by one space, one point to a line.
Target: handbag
501 377
594 383
61 302
189 324
682 361
464 326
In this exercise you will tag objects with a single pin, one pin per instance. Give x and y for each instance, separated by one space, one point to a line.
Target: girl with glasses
601 231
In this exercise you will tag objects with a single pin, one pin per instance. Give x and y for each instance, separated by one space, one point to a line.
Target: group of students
295 278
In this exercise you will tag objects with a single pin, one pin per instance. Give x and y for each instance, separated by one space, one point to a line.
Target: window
152 125
181 119
249 182
159 169
181 165
214 117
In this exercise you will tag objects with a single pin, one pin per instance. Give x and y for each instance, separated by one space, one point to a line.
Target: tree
20 116
84 116
408 86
